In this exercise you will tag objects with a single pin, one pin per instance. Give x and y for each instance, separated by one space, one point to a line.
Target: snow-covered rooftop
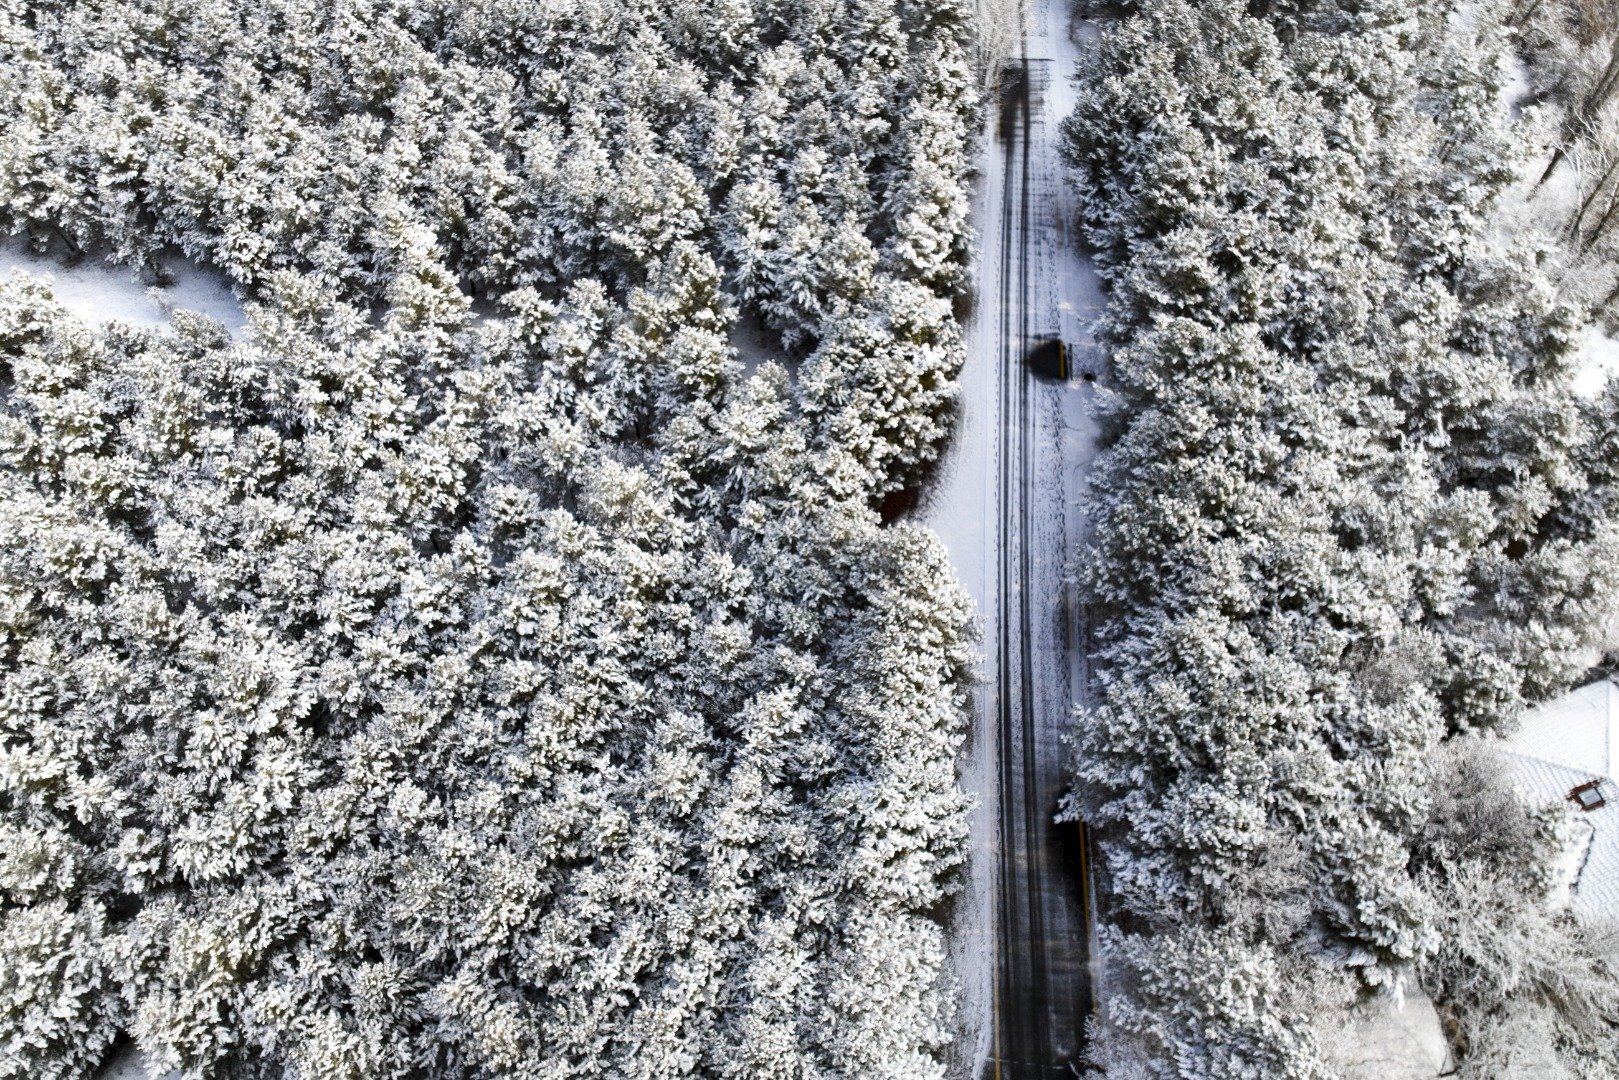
1562 745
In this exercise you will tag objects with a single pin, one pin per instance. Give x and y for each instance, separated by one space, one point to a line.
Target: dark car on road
1049 357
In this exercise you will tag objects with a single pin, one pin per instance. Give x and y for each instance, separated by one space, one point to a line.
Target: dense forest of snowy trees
1350 512
468 672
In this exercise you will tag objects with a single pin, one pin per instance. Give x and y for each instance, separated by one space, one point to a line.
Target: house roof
1567 742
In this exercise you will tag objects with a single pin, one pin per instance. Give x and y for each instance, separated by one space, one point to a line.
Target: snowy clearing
1598 360
99 293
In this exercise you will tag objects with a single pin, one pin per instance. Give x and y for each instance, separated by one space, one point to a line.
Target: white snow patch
130 1064
1598 360
98 292
1385 1040
1551 205
1516 85
960 507
755 346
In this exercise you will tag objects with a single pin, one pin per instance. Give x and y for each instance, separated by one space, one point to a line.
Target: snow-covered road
1009 505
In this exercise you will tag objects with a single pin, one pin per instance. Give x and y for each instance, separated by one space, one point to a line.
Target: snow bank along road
1010 507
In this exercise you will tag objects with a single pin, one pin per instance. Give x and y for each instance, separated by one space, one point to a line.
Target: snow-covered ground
99 292
960 506
1541 211
129 1064
756 345
1385 1040
1599 360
